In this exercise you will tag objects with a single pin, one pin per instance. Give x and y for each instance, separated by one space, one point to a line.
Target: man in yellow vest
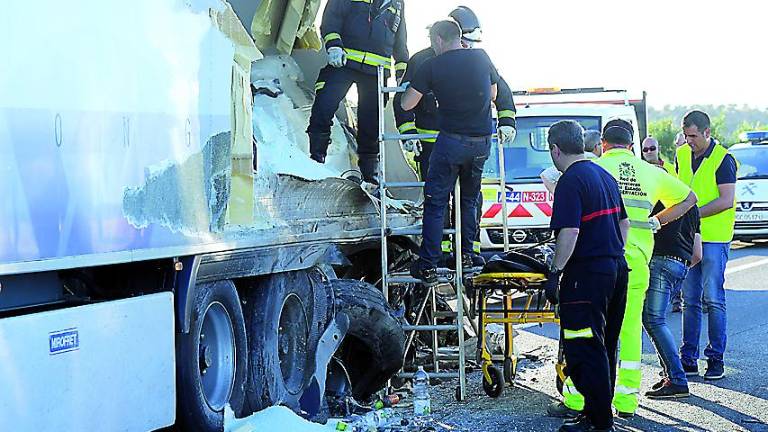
642 185
710 171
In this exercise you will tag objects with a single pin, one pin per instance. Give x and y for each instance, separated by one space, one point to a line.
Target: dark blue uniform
461 82
424 118
593 288
371 32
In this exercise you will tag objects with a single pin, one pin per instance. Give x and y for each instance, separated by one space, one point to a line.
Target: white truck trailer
166 246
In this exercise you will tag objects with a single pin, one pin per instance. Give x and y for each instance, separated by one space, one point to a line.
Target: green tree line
728 122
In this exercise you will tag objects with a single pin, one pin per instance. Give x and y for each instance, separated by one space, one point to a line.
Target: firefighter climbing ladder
388 278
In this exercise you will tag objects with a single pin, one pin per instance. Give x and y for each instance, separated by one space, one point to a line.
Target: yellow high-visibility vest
642 185
717 228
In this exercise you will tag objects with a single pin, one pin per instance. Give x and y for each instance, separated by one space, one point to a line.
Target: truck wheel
375 343
285 316
212 358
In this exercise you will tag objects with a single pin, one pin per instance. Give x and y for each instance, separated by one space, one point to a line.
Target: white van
751 190
529 204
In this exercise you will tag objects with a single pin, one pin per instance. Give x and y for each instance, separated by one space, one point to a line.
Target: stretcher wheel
496 386
510 371
457 394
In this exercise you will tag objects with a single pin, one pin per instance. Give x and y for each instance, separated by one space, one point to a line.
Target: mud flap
312 399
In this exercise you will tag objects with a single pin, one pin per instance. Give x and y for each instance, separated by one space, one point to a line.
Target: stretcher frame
536 309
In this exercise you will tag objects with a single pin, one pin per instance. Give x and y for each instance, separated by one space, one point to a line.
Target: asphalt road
739 402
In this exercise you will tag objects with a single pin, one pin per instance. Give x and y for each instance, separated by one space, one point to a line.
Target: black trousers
593 296
332 86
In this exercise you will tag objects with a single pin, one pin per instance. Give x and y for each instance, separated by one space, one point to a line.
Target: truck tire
285 316
212 359
374 346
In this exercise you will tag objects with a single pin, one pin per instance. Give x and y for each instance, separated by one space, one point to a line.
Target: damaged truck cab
167 247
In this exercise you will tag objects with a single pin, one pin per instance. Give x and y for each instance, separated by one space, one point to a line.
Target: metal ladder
502 183
444 276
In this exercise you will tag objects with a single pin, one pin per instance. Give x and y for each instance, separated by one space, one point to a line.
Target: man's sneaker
691 369
583 425
660 384
715 370
427 275
559 410
668 390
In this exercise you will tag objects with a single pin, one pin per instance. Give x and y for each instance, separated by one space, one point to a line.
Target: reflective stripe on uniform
640 224
407 126
368 58
642 204
331 36
446 246
620 389
476 247
633 365
319 85
401 66
585 333
427 131
507 114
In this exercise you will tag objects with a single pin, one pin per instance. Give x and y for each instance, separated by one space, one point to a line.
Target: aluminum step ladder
455 278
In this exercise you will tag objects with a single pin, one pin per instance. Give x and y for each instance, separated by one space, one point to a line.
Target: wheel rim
217 356
292 340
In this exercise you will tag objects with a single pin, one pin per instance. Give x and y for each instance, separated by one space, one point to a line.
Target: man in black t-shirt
464 84
591 226
677 247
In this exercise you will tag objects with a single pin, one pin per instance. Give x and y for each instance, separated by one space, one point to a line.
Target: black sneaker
668 390
583 425
691 369
427 275
559 410
715 370
625 415
660 384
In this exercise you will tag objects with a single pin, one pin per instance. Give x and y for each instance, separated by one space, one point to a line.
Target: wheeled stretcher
509 291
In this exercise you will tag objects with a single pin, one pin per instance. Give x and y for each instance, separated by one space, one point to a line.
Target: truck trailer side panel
101 367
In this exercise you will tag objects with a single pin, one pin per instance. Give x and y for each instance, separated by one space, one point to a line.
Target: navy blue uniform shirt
587 197
461 81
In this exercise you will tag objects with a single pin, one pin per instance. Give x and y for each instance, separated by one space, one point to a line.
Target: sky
682 52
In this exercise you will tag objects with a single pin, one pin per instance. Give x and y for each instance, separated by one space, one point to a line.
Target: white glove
507 134
653 221
412 145
337 57
550 176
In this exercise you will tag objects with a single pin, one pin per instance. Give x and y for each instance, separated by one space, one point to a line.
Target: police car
751 186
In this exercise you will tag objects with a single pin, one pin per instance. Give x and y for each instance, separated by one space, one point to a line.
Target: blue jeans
705 283
666 274
452 157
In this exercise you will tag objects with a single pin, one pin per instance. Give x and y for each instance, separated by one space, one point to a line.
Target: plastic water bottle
422 405
373 420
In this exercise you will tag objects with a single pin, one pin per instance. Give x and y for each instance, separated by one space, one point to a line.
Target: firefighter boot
369 167
318 145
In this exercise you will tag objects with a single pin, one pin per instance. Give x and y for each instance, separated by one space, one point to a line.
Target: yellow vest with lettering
716 228
634 176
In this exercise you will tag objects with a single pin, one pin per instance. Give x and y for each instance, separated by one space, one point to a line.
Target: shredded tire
374 347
